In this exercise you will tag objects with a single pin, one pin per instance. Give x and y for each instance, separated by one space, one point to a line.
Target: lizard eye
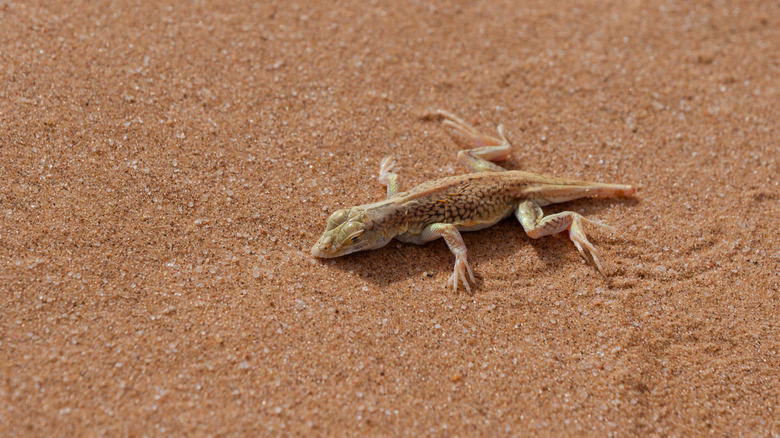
352 231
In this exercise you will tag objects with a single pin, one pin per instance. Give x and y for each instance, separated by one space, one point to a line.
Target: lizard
444 207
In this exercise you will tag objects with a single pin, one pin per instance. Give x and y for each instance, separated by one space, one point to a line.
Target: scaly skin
443 207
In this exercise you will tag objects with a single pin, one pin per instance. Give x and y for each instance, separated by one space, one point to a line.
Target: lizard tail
571 190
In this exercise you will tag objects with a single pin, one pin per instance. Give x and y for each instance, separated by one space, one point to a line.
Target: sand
165 169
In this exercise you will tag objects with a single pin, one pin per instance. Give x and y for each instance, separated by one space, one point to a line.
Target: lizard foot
388 177
461 268
577 235
388 166
471 133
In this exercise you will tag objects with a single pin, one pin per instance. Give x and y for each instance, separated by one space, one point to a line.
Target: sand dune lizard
444 207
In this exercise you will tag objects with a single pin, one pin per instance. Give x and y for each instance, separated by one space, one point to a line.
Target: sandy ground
165 169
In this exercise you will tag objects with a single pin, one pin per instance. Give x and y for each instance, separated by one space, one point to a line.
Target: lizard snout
322 248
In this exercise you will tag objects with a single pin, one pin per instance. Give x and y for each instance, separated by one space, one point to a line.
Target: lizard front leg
388 177
454 241
535 225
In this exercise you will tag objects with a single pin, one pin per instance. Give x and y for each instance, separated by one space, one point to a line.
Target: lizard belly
470 226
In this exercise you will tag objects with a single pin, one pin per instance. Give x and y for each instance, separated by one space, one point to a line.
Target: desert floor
165 168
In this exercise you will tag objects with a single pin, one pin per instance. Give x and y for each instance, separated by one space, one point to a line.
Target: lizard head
348 231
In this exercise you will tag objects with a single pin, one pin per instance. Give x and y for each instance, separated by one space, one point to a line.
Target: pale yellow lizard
467 202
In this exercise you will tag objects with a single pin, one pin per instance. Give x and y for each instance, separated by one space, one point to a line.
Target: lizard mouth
323 249
317 252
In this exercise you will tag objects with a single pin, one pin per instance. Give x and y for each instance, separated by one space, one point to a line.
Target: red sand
165 170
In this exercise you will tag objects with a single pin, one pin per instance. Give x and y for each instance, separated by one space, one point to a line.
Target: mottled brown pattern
472 199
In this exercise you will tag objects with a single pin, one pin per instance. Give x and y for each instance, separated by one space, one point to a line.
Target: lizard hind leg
536 225
488 148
